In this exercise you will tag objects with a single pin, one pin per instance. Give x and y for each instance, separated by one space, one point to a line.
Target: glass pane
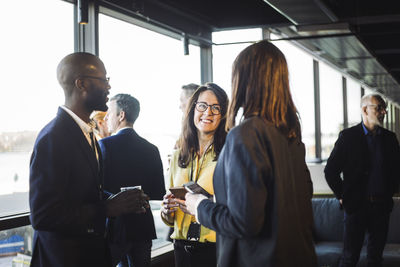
302 88
390 116
152 68
161 229
37 40
234 36
331 93
353 102
16 246
224 55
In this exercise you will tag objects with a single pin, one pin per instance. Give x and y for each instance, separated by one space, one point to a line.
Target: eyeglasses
202 107
104 80
379 108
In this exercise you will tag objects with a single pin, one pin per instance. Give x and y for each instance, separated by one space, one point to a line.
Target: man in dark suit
368 156
130 160
68 209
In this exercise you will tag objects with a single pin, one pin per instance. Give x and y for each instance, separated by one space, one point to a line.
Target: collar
86 127
366 131
123 129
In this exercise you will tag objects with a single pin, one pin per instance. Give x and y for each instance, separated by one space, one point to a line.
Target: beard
96 100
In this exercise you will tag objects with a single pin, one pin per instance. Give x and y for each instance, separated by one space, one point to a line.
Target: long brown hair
188 142
260 85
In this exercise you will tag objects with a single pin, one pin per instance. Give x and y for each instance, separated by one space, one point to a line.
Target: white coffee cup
131 188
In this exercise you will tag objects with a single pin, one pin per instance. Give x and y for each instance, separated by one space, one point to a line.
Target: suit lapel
100 167
76 133
387 146
363 145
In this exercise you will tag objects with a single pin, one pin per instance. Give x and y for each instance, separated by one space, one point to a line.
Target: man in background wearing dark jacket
130 160
368 156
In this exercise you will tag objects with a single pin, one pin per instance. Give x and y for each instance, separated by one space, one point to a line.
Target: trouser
194 254
373 218
133 254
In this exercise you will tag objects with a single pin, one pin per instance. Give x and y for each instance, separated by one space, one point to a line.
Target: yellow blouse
203 171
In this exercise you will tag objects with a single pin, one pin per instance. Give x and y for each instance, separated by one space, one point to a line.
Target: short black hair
129 105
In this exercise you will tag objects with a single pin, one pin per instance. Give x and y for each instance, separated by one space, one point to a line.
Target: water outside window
33 42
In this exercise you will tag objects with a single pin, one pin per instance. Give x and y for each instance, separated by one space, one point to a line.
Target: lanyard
201 164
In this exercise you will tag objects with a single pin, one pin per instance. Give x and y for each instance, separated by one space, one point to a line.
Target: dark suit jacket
350 156
263 191
67 210
130 160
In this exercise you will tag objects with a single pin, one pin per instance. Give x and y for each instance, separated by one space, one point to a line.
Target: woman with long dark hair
262 214
201 141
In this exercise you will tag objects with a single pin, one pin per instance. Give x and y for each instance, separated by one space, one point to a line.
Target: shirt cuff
200 199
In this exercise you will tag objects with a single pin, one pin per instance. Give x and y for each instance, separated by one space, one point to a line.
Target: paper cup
131 188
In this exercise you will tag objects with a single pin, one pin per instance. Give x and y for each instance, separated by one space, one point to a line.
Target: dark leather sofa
328 234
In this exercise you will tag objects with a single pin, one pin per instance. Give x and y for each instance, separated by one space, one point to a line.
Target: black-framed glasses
379 107
104 80
202 107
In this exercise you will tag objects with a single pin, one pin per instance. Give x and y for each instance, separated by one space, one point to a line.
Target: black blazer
263 191
130 160
350 157
67 210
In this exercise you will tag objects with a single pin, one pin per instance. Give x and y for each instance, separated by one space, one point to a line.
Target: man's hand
341 203
129 201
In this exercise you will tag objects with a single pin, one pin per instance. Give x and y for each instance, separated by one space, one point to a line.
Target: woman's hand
168 207
192 201
182 205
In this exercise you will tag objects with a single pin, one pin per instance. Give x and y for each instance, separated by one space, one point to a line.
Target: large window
353 102
225 52
331 94
300 74
151 67
32 46
33 42
302 88
390 116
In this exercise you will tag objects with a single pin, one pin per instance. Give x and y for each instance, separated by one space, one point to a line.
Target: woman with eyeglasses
262 214
203 135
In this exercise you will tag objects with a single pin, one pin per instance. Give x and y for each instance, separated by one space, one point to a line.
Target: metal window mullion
206 68
389 116
76 29
317 108
397 122
87 36
392 109
386 122
345 111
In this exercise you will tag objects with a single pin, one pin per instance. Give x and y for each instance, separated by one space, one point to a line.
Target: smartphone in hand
195 188
179 192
